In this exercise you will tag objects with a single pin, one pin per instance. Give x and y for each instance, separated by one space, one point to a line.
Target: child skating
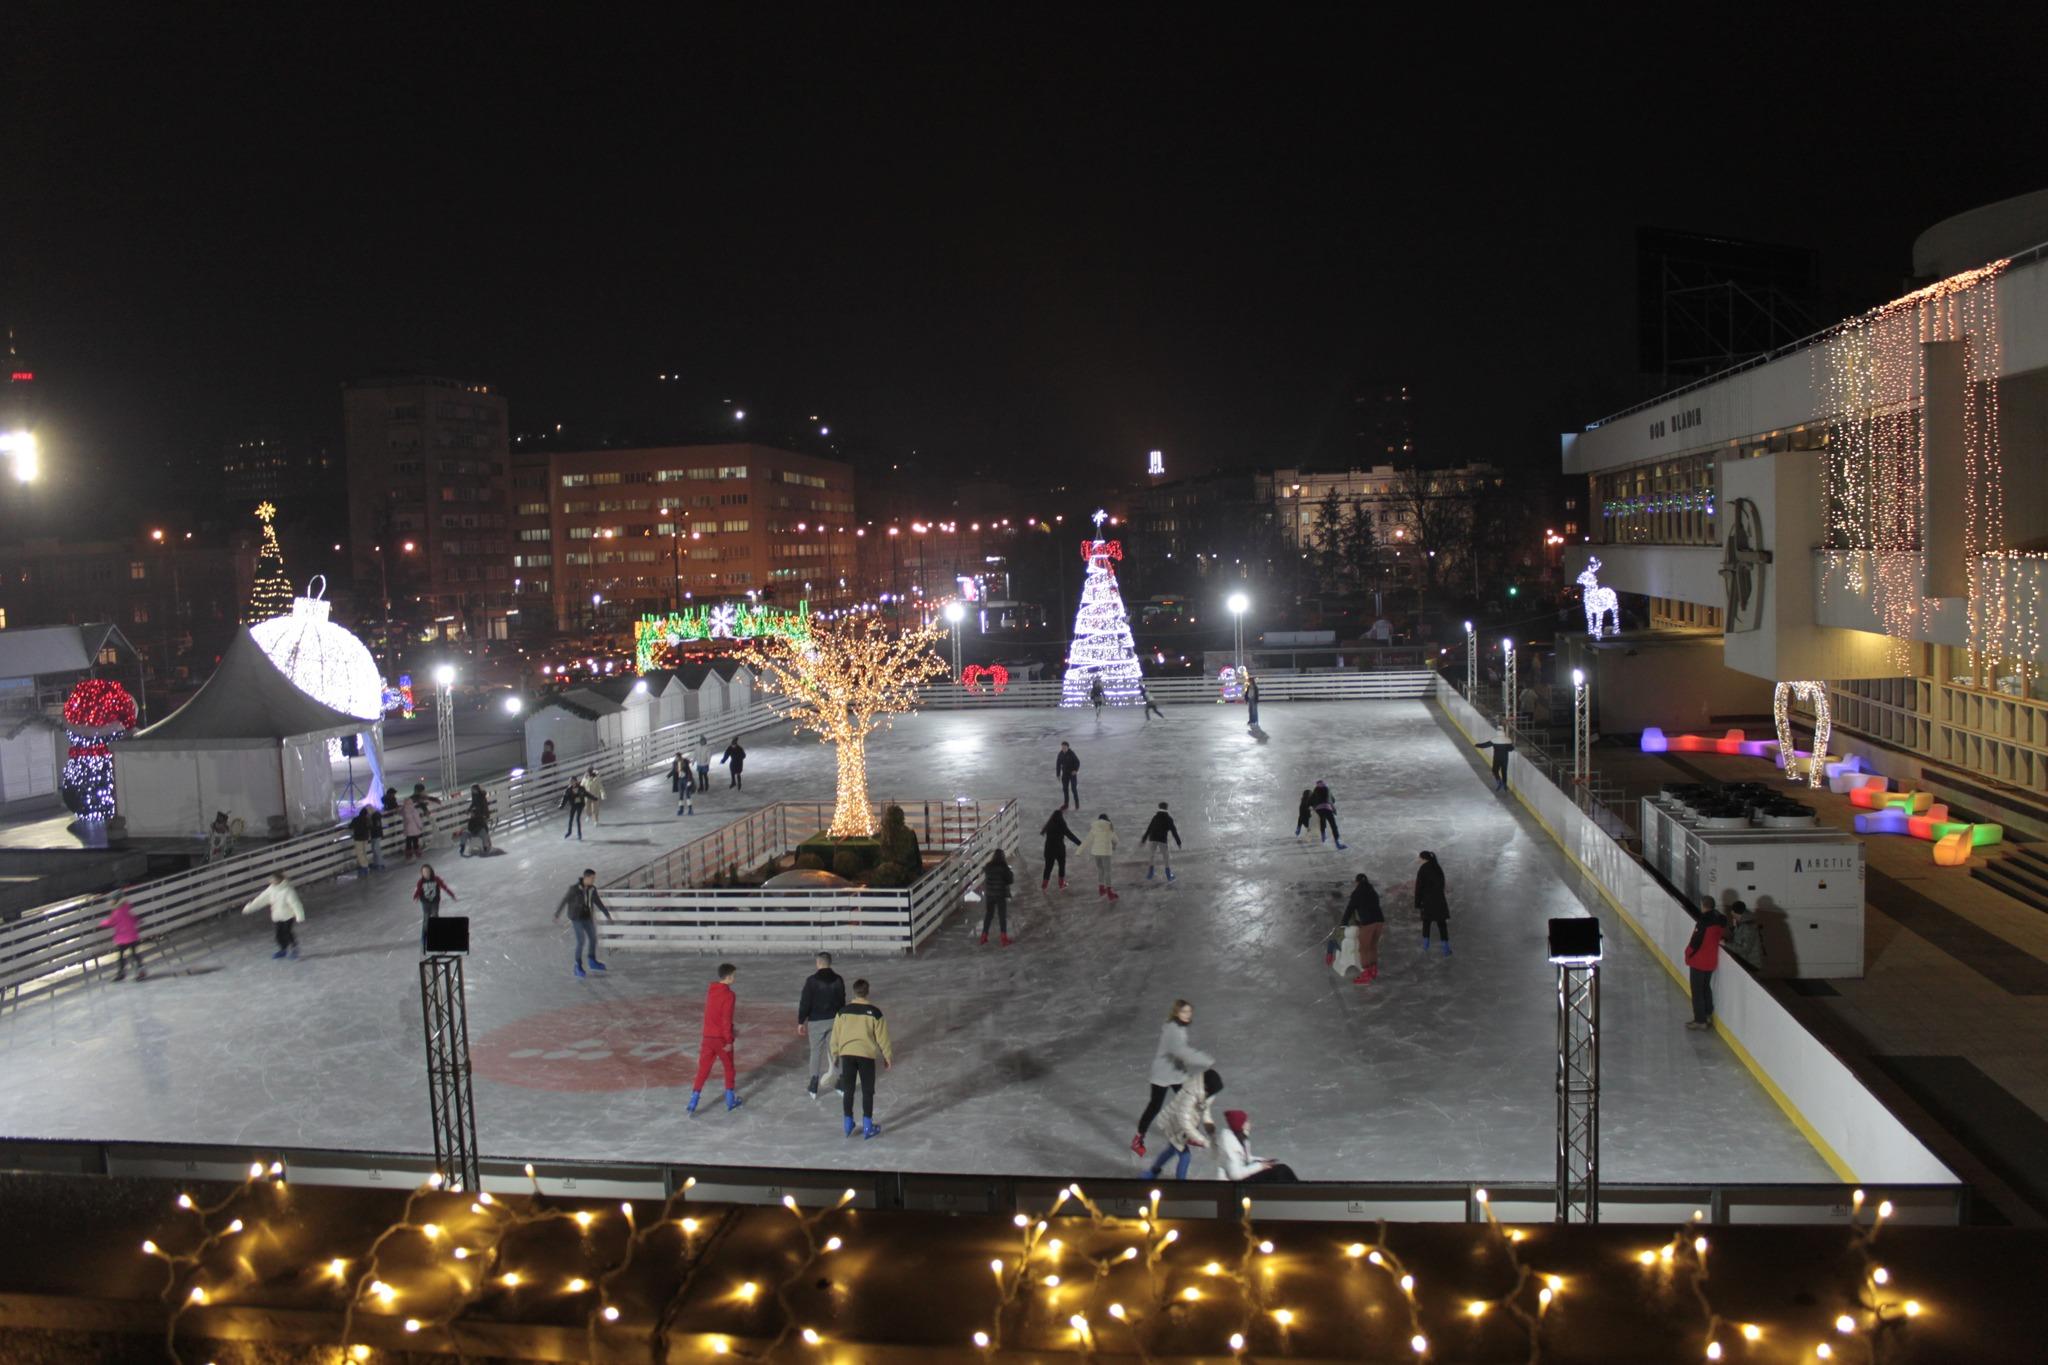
717 1037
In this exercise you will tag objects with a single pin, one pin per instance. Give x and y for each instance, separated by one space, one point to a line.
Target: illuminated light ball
323 660
98 703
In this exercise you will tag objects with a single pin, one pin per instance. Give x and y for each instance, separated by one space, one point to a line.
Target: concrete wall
1856 1134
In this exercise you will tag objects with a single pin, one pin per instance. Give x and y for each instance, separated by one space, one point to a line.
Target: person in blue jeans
582 903
575 798
1188 1125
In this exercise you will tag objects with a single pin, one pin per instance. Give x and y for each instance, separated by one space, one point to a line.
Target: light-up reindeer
1600 602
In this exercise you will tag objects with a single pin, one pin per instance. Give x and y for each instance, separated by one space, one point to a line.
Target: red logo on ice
630 1045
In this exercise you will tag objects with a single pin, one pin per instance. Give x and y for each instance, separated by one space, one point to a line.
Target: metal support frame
1578 1093
1508 699
1471 664
1582 736
445 1018
444 732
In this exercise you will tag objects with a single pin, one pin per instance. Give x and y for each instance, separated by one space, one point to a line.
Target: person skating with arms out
1057 837
582 903
1156 835
428 891
860 1038
716 1043
286 910
824 995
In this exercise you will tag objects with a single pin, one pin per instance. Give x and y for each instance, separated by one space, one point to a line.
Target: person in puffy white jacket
1233 1153
286 911
1188 1124
1101 845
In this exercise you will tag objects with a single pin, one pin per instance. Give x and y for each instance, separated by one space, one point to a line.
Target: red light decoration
24 376
97 703
998 677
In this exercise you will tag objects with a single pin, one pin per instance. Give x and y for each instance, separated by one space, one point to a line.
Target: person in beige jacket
860 1037
1101 845
286 910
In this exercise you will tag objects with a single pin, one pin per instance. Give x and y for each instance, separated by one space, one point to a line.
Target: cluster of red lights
96 703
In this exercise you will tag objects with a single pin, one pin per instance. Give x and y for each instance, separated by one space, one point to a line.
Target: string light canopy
271 594
846 679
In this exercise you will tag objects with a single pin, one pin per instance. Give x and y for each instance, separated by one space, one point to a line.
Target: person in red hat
1234 1158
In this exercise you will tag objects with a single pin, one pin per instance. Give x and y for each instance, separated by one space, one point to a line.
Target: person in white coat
1188 1124
1232 1150
1101 845
286 911
1176 1061
593 787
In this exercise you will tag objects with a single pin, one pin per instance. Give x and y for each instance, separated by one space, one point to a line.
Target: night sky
1063 237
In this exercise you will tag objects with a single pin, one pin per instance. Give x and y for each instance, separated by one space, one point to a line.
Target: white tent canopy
579 721
249 743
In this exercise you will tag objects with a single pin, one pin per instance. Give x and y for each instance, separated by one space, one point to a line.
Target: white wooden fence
1387 685
664 905
61 944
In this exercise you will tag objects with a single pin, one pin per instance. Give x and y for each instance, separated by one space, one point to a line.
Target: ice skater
679 765
1156 835
860 1038
582 903
1305 814
1363 925
127 937
1430 901
1151 706
685 783
996 880
703 763
1188 1125
478 826
574 797
1176 1062
824 995
593 790
1067 765
1234 1160
1102 848
1251 702
413 816
1502 746
716 1041
1096 698
1057 837
1325 806
428 891
737 757
1702 956
359 839
286 911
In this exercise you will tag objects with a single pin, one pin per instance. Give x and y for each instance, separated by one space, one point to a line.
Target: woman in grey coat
1176 1060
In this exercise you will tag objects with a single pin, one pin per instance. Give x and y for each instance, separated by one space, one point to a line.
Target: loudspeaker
352 745
448 934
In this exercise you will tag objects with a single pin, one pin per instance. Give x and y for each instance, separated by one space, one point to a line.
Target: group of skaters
689 772
1353 947
1185 1084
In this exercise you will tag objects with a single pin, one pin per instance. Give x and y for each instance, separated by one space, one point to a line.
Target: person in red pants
716 1044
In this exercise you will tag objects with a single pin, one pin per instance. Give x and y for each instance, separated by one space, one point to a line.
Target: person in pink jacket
127 939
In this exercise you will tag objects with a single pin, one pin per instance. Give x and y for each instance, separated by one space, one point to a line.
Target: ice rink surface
1026 1060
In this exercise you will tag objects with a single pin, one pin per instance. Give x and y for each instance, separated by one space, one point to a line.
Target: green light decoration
720 621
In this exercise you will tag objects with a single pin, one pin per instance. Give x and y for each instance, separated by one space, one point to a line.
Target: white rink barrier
61 944
1847 1125
663 905
1387 685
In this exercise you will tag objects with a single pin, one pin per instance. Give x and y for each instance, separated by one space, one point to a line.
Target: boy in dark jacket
1156 835
1067 765
582 904
737 757
717 1040
824 995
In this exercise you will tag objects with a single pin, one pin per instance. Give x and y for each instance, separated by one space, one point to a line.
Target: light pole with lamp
1575 950
1238 603
1507 685
1581 735
956 613
1471 664
444 722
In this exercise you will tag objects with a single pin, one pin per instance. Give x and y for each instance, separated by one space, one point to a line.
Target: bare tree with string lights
846 679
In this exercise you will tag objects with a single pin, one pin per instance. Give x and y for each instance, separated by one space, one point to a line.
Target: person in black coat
737 757
1068 766
1363 910
996 880
824 995
1057 837
1156 834
1430 901
1304 815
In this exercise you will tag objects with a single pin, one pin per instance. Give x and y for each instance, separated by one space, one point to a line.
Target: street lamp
514 705
956 614
1237 604
1471 664
1507 685
444 722
27 458
1581 733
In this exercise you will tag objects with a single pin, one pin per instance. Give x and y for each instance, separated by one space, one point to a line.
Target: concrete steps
2021 873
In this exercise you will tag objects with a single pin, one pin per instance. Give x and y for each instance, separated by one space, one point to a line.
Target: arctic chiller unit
1804 883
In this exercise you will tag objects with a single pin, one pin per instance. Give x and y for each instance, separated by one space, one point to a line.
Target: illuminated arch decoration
1814 695
653 634
1600 602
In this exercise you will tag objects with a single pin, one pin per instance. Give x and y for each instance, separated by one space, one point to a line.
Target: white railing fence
664 904
1387 685
61 944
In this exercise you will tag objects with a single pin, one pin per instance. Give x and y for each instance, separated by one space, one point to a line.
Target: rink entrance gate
667 904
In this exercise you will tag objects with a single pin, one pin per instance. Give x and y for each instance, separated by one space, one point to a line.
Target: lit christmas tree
1102 646
271 594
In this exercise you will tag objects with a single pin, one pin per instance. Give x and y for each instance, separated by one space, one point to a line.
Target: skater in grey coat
1176 1060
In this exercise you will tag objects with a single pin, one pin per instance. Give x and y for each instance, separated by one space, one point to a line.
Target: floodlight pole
450 1099
1507 686
1578 1091
444 723
1471 664
1581 734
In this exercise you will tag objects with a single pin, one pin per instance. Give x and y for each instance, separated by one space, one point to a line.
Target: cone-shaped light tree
271 594
846 679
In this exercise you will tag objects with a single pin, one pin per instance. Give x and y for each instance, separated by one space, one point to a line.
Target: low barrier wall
1385 685
1857 1136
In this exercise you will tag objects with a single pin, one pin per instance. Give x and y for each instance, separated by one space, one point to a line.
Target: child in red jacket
716 1043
